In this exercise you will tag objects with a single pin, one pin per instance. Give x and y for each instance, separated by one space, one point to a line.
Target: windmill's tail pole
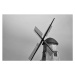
42 39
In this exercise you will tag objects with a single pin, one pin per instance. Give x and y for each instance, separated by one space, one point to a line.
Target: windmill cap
50 41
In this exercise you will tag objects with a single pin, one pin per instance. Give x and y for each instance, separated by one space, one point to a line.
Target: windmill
39 33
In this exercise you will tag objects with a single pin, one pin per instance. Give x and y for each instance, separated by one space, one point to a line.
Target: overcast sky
19 38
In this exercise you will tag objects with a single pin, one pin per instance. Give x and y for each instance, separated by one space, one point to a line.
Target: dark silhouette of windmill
46 43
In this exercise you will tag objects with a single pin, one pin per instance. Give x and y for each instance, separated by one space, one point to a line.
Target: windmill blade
35 50
31 56
38 31
48 46
48 29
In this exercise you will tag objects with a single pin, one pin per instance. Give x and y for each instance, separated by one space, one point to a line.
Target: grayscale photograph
37 37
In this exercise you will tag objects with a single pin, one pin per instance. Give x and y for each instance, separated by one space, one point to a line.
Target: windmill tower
47 54
47 45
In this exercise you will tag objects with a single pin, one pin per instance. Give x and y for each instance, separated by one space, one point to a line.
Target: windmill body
48 55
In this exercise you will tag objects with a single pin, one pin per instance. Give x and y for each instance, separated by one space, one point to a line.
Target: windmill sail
31 56
38 32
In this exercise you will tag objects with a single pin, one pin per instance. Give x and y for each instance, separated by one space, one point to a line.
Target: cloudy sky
19 38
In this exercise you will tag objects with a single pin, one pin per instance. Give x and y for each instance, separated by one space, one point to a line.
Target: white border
37 7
